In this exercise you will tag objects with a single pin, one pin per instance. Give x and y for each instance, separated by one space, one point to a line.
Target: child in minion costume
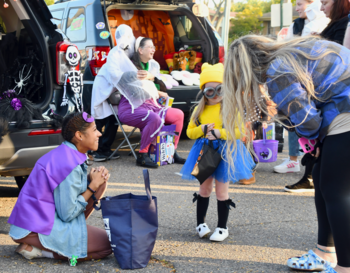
208 114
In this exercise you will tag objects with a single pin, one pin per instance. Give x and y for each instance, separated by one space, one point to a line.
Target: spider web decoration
25 76
19 90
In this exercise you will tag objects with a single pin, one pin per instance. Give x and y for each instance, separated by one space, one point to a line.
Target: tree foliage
49 2
247 18
219 7
246 21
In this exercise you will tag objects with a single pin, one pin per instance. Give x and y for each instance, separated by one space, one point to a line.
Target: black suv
80 21
27 35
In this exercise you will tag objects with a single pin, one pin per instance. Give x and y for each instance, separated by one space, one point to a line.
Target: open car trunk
25 66
170 28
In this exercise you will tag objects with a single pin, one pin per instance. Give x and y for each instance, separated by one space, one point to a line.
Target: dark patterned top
331 79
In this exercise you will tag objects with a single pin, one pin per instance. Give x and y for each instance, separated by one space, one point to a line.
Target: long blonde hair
246 65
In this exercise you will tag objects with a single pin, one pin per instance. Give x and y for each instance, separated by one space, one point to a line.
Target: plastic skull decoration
72 56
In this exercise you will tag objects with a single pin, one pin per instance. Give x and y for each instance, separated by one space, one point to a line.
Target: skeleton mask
73 56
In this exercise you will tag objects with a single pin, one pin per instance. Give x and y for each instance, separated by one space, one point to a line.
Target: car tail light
97 57
44 132
221 54
61 63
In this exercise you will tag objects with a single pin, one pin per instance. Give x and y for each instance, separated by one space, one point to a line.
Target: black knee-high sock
202 207
223 212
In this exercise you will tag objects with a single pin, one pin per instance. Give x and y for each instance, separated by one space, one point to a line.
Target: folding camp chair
113 102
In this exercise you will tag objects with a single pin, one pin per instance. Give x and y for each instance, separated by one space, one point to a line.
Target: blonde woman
309 81
311 20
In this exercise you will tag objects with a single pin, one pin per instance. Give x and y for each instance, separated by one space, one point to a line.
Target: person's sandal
309 262
35 253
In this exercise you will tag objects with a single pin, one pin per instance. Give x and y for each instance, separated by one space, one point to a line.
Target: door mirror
200 10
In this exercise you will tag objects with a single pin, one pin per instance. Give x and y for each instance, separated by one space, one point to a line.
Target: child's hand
210 126
210 135
264 125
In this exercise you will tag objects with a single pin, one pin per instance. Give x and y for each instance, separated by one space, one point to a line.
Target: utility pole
226 23
282 14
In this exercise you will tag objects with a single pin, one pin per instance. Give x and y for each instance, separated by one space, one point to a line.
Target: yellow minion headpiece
211 73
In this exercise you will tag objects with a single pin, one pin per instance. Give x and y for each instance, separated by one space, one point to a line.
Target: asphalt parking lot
267 227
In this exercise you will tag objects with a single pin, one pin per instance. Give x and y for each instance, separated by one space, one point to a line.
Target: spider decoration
25 76
20 88
22 79
75 78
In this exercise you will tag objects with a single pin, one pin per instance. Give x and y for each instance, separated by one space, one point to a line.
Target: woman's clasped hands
98 176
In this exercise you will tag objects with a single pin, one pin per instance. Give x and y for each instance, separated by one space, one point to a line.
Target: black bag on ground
207 162
131 223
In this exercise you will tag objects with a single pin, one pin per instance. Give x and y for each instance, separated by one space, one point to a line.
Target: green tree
246 22
49 2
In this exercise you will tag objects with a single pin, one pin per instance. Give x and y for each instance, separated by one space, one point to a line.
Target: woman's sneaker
110 152
202 230
288 166
219 234
309 262
35 253
304 185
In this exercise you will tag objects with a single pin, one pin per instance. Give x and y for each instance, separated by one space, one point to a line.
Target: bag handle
264 135
205 130
147 184
96 207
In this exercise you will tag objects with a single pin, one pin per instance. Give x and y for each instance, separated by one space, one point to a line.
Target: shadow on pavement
9 192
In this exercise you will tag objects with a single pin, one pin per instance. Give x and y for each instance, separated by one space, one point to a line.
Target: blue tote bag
131 223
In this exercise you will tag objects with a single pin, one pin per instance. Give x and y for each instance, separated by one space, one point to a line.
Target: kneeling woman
149 117
48 219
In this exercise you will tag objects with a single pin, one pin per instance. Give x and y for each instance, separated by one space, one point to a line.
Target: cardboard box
162 151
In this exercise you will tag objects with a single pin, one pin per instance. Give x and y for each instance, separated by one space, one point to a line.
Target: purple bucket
266 149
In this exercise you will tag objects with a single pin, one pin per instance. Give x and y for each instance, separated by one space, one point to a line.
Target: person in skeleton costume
75 78
138 105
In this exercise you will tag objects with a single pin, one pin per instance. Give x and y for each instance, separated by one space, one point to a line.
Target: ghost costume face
125 40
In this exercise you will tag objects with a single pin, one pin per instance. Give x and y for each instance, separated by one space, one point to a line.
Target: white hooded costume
119 73
316 20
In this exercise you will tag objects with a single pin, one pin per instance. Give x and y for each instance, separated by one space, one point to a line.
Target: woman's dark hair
136 57
72 123
340 9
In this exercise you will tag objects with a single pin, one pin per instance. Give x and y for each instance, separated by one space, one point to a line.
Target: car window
191 32
76 25
57 16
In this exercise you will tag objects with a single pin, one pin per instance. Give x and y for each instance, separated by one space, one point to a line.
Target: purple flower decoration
16 104
8 93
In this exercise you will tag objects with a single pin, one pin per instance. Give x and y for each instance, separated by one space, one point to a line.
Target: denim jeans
293 144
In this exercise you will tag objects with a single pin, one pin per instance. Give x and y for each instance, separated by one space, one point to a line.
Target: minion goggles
211 92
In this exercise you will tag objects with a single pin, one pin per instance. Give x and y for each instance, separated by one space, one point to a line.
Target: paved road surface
267 227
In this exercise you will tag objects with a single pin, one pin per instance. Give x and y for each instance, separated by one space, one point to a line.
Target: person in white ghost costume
119 73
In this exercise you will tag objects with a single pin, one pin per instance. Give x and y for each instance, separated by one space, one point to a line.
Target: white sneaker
35 253
203 230
219 234
288 166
